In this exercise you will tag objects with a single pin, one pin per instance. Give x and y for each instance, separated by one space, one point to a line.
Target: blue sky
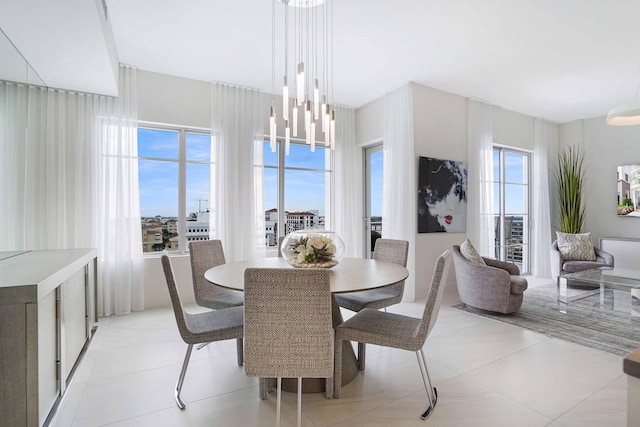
159 179
376 164
515 176
304 190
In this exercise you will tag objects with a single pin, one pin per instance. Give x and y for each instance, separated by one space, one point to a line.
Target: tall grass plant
569 180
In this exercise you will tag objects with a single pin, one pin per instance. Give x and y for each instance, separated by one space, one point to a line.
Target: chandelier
308 73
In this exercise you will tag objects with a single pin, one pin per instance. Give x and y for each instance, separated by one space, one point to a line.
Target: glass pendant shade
287 137
332 138
308 42
272 129
323 115
316 100
285 100
300 83
295 118
307 118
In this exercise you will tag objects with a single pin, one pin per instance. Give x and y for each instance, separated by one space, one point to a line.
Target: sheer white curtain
399 195
545 141
69 179
48 176
24 167
347 184
121 285
480 215
237 128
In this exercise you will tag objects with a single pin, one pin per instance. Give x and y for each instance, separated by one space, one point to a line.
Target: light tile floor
487 373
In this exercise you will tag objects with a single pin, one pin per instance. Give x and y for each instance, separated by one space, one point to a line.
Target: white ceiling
67 42
557 59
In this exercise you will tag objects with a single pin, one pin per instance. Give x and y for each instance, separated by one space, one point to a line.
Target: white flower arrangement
312 250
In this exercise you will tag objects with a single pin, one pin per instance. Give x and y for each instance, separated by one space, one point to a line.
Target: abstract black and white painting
442 196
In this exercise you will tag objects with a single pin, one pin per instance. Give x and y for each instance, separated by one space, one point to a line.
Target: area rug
583 322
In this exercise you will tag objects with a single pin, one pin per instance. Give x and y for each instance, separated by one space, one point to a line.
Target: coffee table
623 285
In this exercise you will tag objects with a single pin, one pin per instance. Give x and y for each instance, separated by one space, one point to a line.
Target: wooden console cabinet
48 314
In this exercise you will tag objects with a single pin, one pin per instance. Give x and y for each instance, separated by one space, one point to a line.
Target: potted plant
569 179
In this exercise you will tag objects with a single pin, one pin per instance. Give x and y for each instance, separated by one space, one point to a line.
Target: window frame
182 174
526 252
367 153
281 169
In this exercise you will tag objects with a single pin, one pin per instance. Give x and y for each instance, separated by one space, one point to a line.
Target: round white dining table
350 275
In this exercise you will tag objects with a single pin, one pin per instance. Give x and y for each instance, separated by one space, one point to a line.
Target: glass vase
312 249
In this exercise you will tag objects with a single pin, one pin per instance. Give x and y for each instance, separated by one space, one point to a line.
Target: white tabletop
351 274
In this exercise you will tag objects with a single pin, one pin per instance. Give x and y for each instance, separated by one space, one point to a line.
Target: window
511 205
296 189
374 161
175 171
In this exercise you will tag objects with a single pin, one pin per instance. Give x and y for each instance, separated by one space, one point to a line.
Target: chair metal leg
240 351
299 402
279 386
429 410
187 356
432 392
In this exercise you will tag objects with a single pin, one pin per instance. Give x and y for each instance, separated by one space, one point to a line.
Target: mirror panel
13 66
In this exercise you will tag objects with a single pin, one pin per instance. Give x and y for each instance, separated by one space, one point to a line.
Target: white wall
176 101
155 286
184 102
512 129
173 100
370 123
440 131
606 148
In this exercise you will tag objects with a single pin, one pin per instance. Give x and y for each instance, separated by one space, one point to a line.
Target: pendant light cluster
308 72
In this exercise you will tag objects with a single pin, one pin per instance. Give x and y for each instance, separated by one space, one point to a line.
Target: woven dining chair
204 255
388 250
288 329
396 330
197 328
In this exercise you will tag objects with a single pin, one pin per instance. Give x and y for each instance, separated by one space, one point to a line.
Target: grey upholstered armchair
496 286
561 266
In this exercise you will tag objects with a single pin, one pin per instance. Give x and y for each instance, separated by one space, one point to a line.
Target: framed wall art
629 191
442 196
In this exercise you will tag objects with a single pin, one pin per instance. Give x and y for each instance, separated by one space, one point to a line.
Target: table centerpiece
312 249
